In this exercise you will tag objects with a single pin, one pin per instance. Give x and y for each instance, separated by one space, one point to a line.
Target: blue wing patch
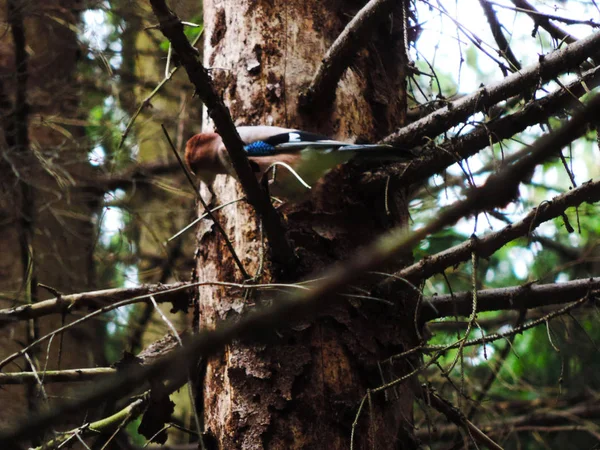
292 141
259 148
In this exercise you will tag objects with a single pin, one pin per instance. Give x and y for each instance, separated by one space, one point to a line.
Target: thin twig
168 75
57 376
206 208
495 336
497 366
534 12
455 416
355 423
203 216
105 425
191 396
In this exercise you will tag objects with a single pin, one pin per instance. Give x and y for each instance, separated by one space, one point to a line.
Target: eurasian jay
309 155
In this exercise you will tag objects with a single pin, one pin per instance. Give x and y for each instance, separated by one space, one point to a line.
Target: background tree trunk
302 388
47 223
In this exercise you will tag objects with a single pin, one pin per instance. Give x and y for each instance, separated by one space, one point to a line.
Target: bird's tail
379 151
370 151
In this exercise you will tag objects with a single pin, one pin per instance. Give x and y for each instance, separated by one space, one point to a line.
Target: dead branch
92 300
57 376
544 22
436 158
538 417
549 67
495 368
487 245
146 102
140 173
511 298
461 343
454 415
451 326
496 28
150 354
105 425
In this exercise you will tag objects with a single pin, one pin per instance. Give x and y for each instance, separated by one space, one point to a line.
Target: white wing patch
293 137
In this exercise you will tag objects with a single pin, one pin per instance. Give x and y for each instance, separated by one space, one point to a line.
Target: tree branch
454 415
437 158
496 29
585 410
57 376
495 367
102 426
566 20
511 298
340 55
92 300
542 21
551 65
172 28
487 245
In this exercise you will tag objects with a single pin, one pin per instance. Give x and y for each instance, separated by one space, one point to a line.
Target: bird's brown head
202 154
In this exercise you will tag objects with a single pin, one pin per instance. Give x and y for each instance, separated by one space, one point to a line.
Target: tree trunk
302 389
47 226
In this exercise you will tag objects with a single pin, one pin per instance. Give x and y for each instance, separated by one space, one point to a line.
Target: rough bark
301 387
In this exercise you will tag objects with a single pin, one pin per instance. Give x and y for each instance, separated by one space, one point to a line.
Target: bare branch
57 376
341 54
551 65
495 367
461 343
543 21
454 415
511 298
437 158
92 300
533 12
155 91
496 29
172 28
105 425
487 245
538 416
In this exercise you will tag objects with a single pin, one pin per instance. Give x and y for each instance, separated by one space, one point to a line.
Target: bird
309 155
